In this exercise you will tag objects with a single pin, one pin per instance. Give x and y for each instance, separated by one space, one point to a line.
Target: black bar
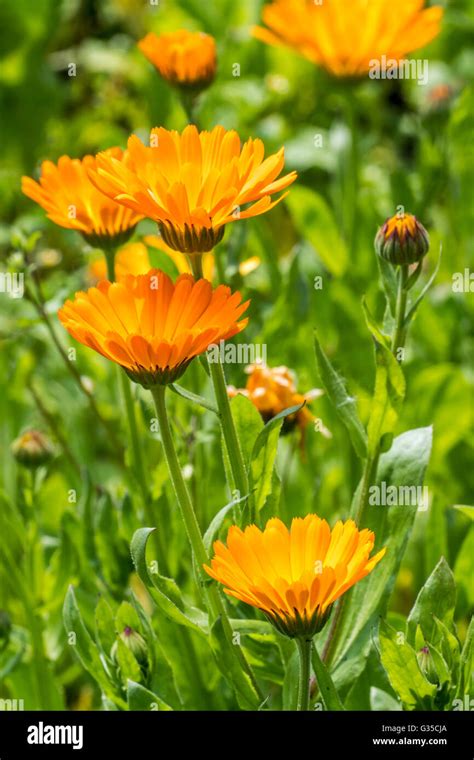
128 734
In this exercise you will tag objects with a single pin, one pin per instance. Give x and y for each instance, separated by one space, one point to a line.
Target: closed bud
32 449
137 645
402 239
426 665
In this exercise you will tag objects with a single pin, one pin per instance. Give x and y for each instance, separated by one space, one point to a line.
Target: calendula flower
402 239
132 258
294 576
193 184
345 37
184 59
70 199
32 449
273 389
152 327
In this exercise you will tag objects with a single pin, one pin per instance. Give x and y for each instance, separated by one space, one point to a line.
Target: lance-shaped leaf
437 599
343 403
400 662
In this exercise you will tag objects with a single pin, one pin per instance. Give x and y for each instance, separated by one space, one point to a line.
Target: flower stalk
304 651
216 606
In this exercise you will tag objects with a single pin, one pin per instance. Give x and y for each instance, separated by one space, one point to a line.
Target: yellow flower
273 389
344 36
294 576
132 258
186 59
151 326
70 199
193 184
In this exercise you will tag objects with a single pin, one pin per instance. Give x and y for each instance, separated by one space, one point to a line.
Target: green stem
189 103
216 606
304 650
195 262
399 335
236 459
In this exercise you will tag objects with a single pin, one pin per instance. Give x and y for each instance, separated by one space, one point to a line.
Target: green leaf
344 404
248 424
128 665
389 390
231 668
263 461
104 626
217 521
464 573
194 398
290 683
327 690
423 293
380 700
140 698
315 222
403 466
86 649
436 598
467 654
400 662
164 591
465 510
127 617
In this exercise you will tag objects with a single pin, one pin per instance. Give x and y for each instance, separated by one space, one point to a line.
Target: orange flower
294 576
193 183
152 327
71 200
273 389
130 259
186 59
402 239
344 37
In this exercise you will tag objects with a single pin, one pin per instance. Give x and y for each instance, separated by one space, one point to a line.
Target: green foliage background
411 150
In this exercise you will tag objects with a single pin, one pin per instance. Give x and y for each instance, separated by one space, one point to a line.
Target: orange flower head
345 37
70 199
184 59
402 239
295 575
194 183
151 326
273 389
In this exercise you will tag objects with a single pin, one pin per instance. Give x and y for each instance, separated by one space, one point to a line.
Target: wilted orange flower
132 258
344 37
295 575
186 59
193 183
273 389
151 326
71 200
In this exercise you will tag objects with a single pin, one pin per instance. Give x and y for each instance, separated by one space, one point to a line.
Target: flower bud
137 645
402 239
426 664
32 449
